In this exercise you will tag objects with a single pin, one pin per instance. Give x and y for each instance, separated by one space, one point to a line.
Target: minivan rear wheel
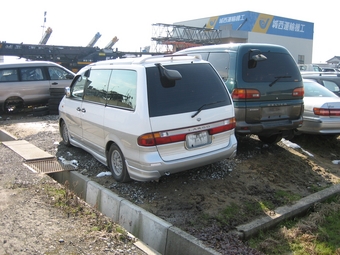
117 166
270 139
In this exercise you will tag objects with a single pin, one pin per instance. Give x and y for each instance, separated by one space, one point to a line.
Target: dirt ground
200 201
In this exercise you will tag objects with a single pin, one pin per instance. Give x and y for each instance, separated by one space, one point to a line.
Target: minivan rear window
276 65
200 85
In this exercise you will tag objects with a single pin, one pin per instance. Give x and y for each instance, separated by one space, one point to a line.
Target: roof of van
147 60
230 46
27 63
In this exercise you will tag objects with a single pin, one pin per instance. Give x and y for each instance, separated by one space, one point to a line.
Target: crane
94 40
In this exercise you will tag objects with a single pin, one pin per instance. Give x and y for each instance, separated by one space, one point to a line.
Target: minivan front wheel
116 163
270 139
64 133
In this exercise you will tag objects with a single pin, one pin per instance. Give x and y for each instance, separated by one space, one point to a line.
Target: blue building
295 35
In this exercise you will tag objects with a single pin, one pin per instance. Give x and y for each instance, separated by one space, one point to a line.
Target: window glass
276 65
331 86
225 67
96 86
200 87
122 89
8 75
77 88
221 62
57 73
31 74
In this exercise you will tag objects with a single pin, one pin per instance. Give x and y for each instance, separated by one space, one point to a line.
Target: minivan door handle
81 109
54 83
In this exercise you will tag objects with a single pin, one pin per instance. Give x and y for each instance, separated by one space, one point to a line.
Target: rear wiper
278 78
200 109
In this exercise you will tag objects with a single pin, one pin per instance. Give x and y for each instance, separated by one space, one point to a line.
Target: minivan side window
57 73
122 89
331 86
8 75
77 89
225 67
221 63
96 86
31 74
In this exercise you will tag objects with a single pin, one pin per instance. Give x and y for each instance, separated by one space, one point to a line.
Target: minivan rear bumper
268 128
154 171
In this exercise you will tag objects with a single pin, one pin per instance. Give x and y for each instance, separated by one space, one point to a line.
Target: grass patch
316 233
287 197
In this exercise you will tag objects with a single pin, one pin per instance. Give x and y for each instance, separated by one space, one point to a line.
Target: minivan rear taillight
298 92
245 94
165 137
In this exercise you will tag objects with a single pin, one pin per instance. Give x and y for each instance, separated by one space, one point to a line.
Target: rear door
189 108
34 85
273 87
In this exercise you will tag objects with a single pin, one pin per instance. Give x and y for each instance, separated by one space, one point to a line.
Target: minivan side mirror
67 91
69 76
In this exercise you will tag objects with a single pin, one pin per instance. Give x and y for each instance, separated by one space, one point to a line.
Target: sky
75 22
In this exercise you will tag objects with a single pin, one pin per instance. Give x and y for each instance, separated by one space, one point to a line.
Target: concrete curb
285 212
162 236
153 231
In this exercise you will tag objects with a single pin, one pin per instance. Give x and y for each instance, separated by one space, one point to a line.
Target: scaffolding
170 38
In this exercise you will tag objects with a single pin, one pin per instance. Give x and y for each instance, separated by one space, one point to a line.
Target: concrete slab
5 136
27 150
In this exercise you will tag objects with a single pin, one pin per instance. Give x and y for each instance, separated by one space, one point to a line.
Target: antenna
43 26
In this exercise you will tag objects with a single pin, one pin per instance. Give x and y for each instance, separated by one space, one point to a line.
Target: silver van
149 117
29 83
265 84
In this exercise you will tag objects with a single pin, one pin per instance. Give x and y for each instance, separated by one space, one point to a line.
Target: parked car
329 69
265 83
29 83
328 80
322 110
149 117
309 68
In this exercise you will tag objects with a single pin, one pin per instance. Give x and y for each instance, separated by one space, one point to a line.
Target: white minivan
150 116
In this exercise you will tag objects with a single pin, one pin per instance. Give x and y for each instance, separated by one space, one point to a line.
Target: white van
151 116
29 83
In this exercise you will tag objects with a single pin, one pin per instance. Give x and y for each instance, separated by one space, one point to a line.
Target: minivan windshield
278 67
200 86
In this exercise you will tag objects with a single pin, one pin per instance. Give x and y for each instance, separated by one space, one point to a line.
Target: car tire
64 133
117 166
270 139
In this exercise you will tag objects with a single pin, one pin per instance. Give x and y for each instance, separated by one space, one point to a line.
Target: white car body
94 127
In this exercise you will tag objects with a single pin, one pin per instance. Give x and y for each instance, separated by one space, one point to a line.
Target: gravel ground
30 223
193 200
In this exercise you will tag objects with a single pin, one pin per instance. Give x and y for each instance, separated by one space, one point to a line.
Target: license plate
197 139
275 110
